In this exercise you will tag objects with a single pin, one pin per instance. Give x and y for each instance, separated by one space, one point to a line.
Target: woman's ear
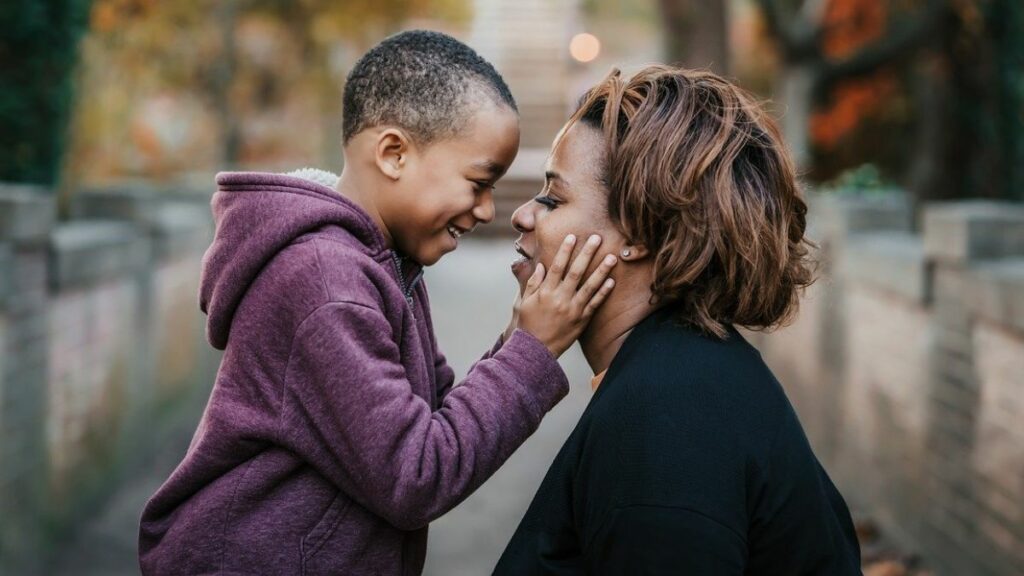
633 252
391 152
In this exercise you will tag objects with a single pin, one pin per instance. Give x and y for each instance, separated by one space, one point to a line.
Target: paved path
471 293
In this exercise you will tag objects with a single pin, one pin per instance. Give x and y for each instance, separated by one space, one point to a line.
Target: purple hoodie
333 434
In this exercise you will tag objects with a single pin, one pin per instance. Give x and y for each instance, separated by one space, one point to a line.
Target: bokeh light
584 47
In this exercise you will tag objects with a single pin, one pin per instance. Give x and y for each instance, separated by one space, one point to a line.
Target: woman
689 458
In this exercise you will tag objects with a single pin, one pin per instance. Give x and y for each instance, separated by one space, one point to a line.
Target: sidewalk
471 293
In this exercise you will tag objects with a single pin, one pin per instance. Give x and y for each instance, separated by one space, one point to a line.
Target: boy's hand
554 307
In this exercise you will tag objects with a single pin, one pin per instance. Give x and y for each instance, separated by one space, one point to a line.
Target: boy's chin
432 255
430 259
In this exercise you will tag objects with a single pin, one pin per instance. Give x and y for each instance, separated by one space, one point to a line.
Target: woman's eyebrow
553 176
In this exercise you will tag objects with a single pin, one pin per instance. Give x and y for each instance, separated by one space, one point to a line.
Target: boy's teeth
454 232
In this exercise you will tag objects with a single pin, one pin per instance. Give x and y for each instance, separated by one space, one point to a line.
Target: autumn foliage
848 26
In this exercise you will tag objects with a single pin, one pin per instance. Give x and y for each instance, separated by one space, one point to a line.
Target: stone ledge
836 215
176 225
138 201
27 213
83 253
998 292
891 261
958 232
181 228
196 190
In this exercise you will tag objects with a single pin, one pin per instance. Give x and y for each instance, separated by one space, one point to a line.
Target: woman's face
573 201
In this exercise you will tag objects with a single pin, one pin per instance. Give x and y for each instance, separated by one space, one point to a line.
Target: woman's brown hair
698 173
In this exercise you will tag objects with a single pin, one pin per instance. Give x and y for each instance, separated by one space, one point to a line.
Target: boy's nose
484 209
522 218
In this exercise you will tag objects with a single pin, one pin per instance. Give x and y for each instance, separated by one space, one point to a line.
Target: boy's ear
392 149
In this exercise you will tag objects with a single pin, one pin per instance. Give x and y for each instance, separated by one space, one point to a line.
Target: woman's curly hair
698 173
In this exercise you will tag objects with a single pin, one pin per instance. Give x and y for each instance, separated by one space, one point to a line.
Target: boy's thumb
535 279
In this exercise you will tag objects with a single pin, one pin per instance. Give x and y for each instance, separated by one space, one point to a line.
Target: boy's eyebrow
491 167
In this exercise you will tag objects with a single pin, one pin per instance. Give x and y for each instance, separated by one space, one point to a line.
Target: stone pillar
997 460
27 215
958 236
98 397
835 220
179 228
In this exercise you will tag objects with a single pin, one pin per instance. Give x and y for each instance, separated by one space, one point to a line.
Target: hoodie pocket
322 531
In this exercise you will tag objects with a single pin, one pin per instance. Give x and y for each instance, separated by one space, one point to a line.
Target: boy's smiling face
444 189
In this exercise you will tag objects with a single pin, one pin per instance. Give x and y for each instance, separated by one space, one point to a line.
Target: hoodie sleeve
443 374
349 409
446 376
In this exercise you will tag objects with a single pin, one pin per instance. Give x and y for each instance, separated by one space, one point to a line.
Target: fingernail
609 282
594 239
609 259
570 239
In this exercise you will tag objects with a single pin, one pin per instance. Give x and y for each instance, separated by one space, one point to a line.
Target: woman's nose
522 218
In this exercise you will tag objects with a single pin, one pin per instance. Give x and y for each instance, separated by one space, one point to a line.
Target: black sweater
689 459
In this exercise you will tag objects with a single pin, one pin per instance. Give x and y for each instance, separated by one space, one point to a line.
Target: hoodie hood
257 215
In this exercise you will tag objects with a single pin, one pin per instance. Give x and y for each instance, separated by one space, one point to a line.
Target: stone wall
906 366
101 350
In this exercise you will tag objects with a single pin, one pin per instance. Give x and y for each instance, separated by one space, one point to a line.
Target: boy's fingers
535 280
596 280
580 264
554 275
599 298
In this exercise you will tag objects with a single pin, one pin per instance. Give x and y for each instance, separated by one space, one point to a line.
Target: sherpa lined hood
259 214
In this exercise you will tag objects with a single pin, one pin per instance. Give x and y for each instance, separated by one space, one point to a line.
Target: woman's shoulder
670 360
685 387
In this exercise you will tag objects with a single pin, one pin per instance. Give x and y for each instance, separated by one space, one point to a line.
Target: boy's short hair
421 81
697 171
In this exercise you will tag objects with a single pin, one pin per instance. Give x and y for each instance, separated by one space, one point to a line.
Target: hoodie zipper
406 288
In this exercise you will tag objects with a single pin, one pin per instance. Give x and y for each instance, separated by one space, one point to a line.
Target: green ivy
37 60
864 179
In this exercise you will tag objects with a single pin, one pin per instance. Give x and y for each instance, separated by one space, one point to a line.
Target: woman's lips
522 267
521 252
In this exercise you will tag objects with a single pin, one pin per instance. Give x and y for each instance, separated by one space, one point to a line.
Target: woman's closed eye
546 201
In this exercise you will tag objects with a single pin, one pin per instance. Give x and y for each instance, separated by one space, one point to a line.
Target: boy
333 434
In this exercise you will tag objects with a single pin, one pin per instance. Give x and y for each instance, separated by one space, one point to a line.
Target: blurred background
906 364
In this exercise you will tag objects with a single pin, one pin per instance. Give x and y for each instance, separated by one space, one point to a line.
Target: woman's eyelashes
546 201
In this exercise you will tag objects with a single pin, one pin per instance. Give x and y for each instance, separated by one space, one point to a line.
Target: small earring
625 253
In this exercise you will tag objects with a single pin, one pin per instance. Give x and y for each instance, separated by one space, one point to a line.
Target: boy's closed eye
480 186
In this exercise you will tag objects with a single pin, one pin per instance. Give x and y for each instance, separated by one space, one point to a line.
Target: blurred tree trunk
696 33
223 76
38 55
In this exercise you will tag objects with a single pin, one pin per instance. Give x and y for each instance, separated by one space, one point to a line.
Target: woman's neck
626 307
